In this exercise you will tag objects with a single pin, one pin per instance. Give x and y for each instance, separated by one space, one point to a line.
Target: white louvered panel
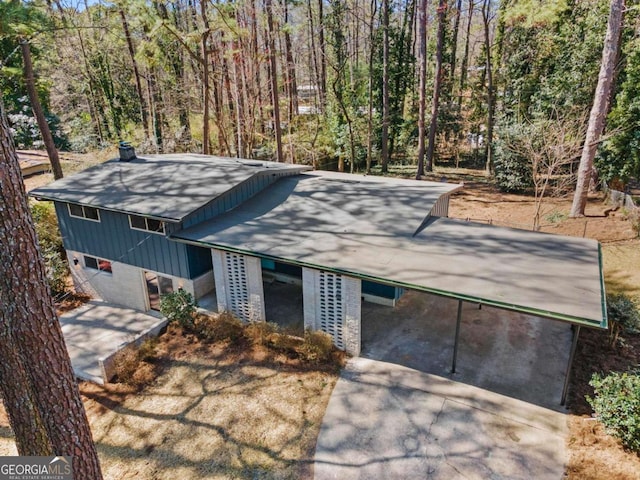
331 310
238 291
441 208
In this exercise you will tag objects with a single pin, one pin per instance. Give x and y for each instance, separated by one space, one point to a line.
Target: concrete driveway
398 412
98 329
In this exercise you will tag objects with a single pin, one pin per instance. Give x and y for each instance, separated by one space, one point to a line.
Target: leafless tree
600 106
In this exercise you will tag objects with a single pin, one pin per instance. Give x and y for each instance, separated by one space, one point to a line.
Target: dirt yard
216 413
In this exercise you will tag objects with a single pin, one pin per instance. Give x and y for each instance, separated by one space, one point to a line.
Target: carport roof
375 229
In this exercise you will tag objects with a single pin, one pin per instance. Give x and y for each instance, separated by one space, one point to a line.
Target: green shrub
624 315
513 171
617 405
317 346
556 217
179 307
51 247
57 271
223 326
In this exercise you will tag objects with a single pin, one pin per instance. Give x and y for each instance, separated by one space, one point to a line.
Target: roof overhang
165 187
368 230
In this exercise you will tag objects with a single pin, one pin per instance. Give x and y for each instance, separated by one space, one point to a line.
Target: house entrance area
156 285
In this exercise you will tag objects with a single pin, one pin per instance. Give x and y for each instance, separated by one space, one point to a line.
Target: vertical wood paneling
112 238
234 197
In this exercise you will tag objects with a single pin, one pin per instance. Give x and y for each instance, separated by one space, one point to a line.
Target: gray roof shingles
168 187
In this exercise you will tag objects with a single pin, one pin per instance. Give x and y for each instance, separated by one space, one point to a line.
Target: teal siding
233 197
381 290
199 260
291 270
113 239
267 264
371 288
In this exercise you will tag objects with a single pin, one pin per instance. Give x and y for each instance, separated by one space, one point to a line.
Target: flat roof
168 186
373 228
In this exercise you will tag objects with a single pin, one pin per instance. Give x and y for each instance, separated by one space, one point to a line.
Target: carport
343 229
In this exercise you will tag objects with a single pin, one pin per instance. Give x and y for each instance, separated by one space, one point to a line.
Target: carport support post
574 343
455 343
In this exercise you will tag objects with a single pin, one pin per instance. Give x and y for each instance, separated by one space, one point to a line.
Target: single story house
136 229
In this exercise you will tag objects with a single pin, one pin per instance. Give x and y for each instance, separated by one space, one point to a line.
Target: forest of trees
341 84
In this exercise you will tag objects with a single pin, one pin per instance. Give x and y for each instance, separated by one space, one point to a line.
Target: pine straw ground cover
215 411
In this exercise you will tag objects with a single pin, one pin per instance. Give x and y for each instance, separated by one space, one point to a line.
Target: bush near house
51 247
222 327
616 403
624 315
315 347
179 307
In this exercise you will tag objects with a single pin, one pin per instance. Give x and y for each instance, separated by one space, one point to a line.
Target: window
147 224
80 211
97 264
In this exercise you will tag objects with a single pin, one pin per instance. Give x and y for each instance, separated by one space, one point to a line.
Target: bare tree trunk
465 57
256 64
181 95
132 53
292 84
435 104
422 72
454 45
490 87
156 109
600 106
30 83
42 386
274 81
226 91
384 150
239 99
24 417
374 7
206 146
402 76
315 64
323 57
94 110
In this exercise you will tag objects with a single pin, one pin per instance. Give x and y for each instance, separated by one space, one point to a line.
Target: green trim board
365 230
605 319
